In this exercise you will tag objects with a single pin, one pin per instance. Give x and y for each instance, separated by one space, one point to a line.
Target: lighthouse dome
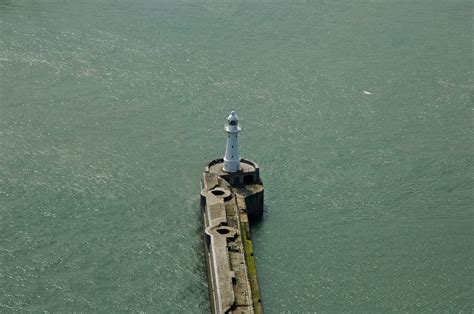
233 119
232 123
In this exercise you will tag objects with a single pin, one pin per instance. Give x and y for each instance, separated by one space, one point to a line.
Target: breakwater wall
228 201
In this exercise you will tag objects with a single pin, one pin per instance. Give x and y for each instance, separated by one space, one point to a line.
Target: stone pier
228 201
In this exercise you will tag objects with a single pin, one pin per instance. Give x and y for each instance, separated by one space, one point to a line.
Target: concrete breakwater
228 202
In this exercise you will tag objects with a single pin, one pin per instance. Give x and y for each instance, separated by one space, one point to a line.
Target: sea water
359 113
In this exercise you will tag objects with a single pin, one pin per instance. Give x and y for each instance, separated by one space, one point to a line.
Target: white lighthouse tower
232 156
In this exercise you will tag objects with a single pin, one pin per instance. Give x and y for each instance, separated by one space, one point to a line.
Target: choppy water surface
359 113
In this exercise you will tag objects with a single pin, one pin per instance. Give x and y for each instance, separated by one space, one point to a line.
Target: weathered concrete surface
227 201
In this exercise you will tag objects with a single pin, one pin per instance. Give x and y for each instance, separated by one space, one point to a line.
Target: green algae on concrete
251 266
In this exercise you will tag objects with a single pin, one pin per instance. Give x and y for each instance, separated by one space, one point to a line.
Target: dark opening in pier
223 231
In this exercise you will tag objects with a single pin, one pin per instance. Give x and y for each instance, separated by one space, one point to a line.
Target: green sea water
359 113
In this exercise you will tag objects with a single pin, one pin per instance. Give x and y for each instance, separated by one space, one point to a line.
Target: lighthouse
232 156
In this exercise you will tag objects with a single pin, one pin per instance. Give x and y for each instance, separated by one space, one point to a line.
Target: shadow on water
256 222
